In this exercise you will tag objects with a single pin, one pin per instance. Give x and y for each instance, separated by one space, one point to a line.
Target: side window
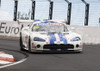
35 27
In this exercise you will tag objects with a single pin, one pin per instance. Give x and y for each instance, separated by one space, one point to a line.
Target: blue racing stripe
61 36
52 38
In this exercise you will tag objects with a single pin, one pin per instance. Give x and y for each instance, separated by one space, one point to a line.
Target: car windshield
49 27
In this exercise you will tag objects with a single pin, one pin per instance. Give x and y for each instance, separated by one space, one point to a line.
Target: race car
49 36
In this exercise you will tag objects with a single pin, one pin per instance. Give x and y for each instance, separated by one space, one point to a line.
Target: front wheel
29 45
21 43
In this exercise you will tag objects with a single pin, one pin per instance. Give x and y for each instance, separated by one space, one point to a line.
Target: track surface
89 60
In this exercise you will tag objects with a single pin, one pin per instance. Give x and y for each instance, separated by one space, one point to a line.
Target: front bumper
56 47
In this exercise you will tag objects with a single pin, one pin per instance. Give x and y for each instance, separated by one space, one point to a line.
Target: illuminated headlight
38 39
76 39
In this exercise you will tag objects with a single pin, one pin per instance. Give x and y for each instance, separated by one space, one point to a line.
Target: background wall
90 34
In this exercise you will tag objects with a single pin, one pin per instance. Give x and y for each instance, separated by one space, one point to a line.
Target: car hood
56 38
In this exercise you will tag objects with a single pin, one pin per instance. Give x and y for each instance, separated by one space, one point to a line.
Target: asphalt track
89 60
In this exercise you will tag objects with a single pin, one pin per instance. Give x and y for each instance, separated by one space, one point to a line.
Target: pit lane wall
90 34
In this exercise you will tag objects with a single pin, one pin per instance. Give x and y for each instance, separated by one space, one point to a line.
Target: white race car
49 36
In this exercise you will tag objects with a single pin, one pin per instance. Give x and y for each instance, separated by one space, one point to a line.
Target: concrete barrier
90 34
11 28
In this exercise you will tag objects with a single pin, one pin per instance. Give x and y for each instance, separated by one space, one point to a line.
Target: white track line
13 63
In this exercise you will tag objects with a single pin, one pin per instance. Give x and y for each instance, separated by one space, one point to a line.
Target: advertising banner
12 29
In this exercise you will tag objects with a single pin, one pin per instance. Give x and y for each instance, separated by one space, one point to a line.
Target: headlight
38 39
76 39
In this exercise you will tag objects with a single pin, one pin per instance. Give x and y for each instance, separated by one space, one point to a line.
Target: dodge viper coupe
49 36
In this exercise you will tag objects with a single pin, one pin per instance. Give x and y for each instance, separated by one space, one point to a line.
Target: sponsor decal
58 24
11 28
36 27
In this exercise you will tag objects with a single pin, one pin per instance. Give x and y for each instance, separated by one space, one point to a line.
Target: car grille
58 46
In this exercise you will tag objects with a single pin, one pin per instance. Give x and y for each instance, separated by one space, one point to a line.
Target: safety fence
76 12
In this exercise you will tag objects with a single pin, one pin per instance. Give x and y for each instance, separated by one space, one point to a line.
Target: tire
21 43
29 45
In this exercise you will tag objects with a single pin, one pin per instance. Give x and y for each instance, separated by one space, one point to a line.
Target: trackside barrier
90 34
11 28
